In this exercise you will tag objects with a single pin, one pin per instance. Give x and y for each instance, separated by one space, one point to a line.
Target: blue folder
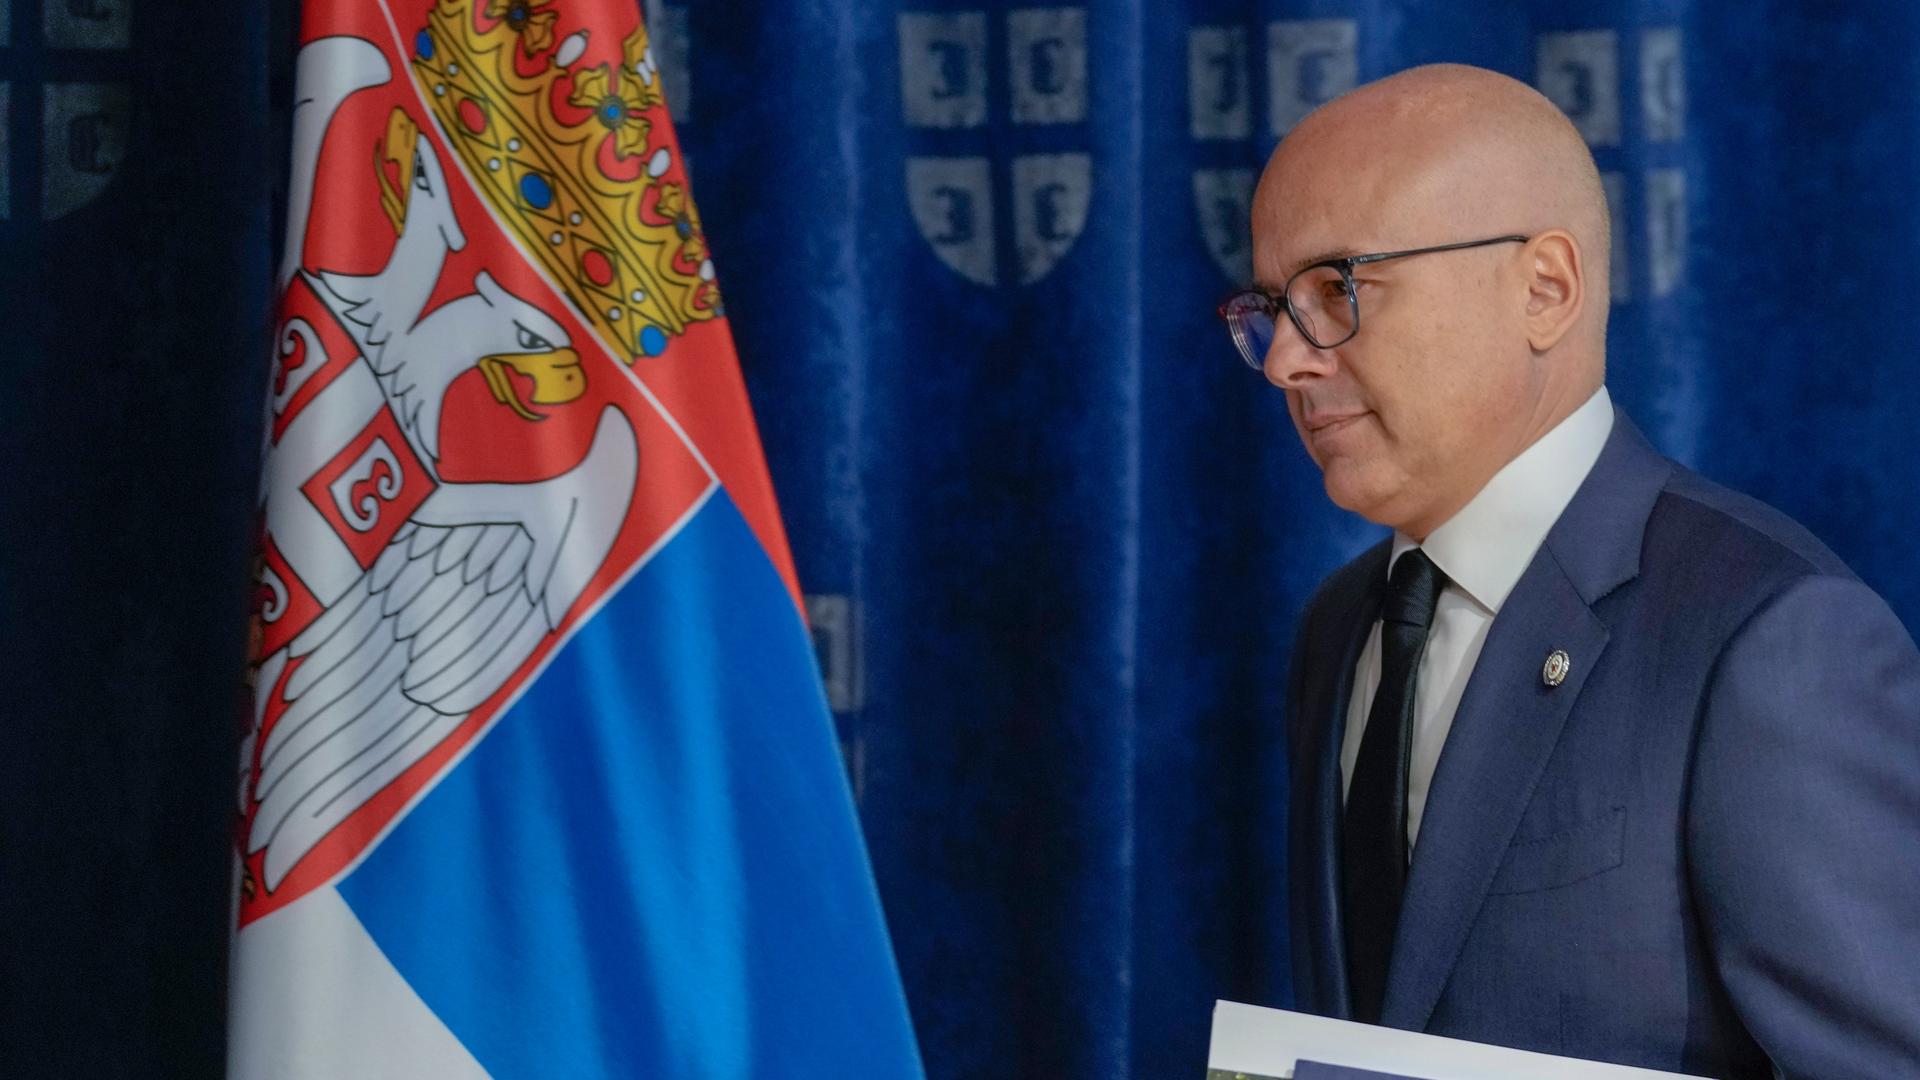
1314 1070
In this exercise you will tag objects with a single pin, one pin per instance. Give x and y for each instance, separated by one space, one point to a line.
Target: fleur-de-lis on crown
534 26
672 204
619 95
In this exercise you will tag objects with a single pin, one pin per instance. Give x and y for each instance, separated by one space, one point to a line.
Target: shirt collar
1485 547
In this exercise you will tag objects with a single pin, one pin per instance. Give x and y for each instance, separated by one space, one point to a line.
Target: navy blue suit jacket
1700 852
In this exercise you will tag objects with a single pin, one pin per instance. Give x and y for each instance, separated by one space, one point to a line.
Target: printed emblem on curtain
1308 63
1586 74
84 127
959 195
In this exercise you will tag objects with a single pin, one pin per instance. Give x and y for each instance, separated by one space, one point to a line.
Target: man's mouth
1327 424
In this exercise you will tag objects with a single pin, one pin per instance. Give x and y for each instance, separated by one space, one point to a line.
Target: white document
1267 1042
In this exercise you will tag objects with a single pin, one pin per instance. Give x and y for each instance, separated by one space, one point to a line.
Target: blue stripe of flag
651 866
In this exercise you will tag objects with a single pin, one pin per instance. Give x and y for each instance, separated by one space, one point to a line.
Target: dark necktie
1373 856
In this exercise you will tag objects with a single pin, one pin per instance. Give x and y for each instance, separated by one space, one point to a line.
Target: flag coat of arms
538 777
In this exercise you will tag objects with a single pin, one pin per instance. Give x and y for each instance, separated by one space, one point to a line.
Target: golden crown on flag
599 201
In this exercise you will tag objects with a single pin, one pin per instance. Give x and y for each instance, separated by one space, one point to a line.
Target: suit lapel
1509 719
1502 736
1332 689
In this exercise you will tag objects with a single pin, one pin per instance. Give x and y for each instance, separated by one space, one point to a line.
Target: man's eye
1334 289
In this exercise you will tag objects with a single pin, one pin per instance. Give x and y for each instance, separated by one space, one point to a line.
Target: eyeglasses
1318 298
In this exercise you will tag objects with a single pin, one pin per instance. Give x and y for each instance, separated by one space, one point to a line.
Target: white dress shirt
1483 550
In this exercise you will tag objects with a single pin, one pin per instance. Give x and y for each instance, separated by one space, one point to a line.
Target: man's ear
1556 287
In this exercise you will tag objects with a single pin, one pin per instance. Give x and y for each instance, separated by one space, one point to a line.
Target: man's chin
1353 487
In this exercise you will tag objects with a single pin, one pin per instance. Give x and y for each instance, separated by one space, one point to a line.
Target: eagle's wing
456 603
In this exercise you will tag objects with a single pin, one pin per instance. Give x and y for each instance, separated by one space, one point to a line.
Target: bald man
1593 756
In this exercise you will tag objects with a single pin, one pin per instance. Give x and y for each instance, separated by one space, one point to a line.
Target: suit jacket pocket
1573 854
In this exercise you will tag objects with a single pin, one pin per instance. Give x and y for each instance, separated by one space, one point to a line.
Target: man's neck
1550 411
1484 547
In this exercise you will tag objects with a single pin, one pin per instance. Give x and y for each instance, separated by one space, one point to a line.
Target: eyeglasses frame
1345 265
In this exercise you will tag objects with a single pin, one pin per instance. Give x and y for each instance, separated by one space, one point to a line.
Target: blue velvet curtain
137 165
1054 537
972 251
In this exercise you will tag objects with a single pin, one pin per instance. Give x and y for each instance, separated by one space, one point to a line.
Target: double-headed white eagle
481 573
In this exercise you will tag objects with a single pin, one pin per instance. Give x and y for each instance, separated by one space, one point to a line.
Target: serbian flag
538 779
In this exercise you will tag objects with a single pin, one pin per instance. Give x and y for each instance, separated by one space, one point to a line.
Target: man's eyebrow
1274 287
1324 256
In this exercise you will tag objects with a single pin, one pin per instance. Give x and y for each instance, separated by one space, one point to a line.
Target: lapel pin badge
1555 671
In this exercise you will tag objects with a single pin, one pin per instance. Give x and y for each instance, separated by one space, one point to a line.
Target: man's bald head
1452 146
1463 358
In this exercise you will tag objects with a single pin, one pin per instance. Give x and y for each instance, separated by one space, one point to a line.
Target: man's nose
1292 362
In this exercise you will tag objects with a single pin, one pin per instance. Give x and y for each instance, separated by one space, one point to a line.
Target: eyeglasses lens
1250 319
1321 300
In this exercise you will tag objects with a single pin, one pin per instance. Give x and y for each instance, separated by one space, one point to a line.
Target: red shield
351 461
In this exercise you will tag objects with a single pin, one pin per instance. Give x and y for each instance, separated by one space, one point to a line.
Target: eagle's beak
397 148
557 379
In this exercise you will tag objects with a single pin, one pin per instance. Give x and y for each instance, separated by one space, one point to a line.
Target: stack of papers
1271 1044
